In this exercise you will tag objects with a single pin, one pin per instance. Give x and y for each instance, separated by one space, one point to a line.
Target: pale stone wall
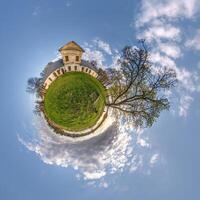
69 56
68 68
71 53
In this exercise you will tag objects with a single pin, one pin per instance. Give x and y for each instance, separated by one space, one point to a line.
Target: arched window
82 69
50 79
69 68
86 69
75 67
89 71
77 58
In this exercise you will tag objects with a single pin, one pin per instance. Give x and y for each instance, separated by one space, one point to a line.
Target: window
66 58
58 71
69 68
55 74
89 71
75 67
82 69
63 71
50 79
77 58
86 70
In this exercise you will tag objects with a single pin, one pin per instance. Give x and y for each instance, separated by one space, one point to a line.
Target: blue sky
161 162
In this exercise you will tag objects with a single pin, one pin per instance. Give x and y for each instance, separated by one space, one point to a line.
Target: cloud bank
161 23
111 152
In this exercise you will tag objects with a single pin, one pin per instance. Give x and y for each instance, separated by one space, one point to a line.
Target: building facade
71 61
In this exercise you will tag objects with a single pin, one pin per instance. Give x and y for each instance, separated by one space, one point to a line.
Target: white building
71 61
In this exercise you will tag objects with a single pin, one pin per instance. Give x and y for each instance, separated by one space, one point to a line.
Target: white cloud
163 60
110 151
188 81
94 175
143 142
103 184
185 102
170 49
97 50
92 158
170 9
96 55
194 43
115 63
164 31
103 45
137 161
154 159
160 23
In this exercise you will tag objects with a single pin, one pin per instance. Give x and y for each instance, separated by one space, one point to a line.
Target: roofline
74 43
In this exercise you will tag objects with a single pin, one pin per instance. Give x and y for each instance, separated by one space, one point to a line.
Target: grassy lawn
75 101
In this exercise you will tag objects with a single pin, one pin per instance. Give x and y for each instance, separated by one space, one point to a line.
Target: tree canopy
137 88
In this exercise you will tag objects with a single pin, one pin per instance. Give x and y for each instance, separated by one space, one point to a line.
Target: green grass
75 101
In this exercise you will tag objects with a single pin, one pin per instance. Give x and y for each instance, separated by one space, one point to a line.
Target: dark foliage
34 85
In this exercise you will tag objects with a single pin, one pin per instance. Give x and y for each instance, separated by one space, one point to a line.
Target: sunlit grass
75 101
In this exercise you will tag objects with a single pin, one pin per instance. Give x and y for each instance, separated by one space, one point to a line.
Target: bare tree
103 77
39 107
34 84
137 89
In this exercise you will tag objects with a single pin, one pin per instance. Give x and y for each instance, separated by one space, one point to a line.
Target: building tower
71 53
